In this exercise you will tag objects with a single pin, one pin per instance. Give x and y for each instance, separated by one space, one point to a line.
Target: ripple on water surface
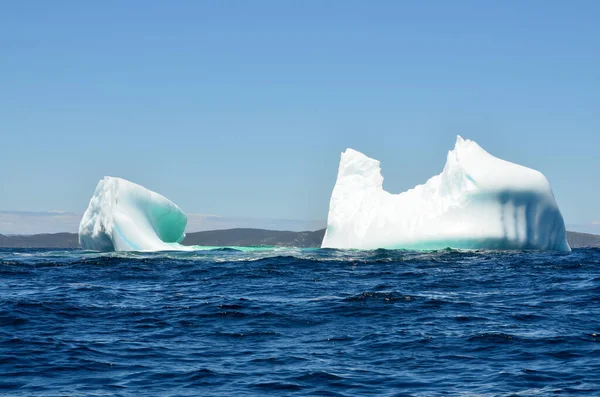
225 322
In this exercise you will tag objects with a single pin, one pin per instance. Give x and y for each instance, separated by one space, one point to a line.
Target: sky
241 109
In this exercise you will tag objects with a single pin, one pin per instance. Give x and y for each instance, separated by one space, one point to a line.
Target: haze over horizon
242 110
15 222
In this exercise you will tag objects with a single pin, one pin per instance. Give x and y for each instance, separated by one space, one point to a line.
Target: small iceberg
124 216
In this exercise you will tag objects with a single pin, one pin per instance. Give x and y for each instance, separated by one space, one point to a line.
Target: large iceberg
478 202
124 216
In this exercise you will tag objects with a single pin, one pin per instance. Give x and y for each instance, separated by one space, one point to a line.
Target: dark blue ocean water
299 322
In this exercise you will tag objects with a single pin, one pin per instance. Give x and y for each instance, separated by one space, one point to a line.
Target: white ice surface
478 202
124 216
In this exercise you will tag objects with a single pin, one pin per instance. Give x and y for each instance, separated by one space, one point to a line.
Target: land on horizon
232 237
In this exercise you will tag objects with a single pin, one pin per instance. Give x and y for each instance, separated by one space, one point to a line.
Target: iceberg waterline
477 202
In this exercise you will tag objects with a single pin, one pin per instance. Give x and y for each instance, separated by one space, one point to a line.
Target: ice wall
478 201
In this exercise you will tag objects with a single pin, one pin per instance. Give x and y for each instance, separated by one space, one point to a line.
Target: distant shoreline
232 237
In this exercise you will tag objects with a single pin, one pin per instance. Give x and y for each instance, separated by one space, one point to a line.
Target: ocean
302 322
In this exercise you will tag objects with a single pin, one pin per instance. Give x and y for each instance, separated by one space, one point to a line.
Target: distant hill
52 240
580 240
238 237
246 237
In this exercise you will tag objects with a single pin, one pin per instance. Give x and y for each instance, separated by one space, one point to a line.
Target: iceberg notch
124 216
478 202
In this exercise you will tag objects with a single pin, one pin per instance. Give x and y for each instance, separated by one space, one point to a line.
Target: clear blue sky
242 108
